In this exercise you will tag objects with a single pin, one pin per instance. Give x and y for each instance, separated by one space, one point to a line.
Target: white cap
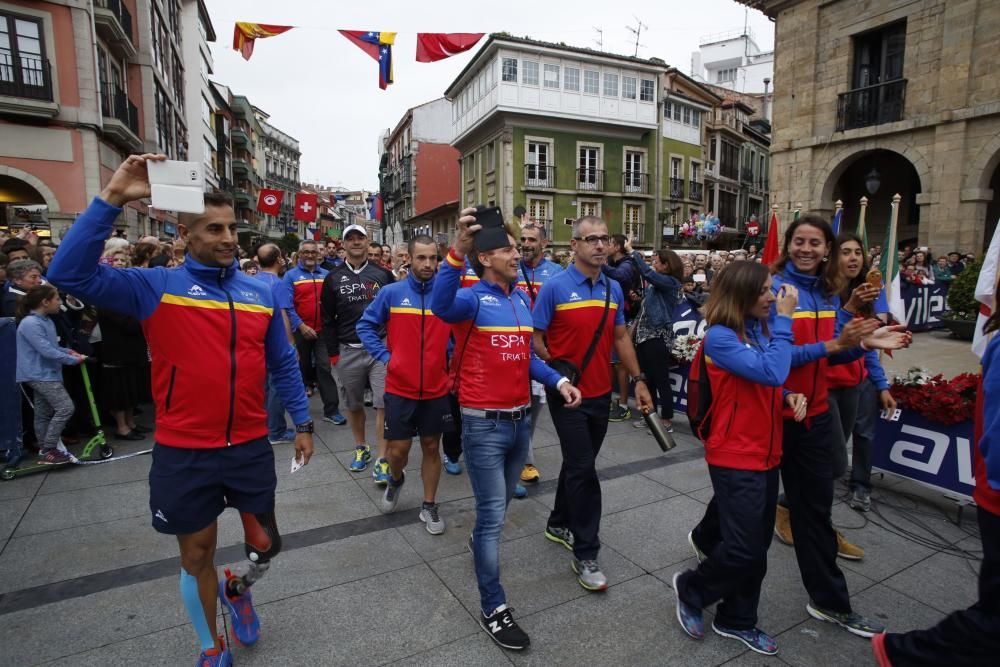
355 228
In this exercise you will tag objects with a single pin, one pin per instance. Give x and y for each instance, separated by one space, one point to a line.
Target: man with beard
532 272
415 353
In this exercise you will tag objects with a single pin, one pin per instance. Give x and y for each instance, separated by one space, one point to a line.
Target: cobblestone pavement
84 580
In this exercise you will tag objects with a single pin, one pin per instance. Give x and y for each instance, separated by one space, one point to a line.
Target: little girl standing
39 365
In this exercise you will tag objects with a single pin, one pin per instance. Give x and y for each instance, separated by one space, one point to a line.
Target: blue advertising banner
924 303
926 452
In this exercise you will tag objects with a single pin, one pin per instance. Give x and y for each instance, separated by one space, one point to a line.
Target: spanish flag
245 33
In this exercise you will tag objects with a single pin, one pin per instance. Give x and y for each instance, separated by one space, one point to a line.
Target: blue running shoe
336 419
380 472
520 491
755 640
216 657
362 455
245 624
689 617
452 467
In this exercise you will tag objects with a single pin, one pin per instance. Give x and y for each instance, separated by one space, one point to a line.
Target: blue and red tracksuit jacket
415 350
531 279
303 288
818 318
493 358
746 374
212 335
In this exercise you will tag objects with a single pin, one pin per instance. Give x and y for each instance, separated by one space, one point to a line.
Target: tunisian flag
770 254
305 206
269 201
432 46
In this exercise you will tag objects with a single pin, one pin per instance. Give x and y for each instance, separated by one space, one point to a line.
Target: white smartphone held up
699 278
177 186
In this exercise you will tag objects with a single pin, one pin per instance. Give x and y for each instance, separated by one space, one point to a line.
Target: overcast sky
323 90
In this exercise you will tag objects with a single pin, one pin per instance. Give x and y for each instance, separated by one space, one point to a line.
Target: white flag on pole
985 294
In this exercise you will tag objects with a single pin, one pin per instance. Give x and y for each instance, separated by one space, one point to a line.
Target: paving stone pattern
84 580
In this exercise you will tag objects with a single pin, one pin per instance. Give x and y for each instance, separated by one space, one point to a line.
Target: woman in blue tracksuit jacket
824 334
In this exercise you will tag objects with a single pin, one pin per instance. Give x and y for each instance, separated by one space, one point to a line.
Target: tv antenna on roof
600 38
640 26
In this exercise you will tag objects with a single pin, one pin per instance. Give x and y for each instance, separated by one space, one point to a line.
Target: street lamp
872 181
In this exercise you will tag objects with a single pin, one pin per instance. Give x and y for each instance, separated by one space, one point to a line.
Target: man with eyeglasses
533 271
303 286
492 362
568 313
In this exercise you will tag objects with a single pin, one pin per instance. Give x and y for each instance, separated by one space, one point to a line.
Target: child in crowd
39 365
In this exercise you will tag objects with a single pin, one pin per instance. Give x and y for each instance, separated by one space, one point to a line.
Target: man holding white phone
213 334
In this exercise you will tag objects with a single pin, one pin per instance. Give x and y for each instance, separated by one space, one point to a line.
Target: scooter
97 441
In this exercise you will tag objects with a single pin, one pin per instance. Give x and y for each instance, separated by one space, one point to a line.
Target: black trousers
742 512
807 474
968 637
578 496
315 367
654 360
451 443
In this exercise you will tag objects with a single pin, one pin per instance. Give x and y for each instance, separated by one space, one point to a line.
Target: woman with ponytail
824 334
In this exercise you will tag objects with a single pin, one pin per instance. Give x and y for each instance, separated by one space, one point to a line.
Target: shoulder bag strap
528 281
465 346
600 329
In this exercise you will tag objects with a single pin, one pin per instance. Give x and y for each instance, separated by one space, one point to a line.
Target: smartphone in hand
493 234
177 186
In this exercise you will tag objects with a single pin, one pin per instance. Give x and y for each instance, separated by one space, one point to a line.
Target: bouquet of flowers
936 399
685 347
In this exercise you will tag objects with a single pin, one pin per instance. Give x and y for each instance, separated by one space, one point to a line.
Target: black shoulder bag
567 368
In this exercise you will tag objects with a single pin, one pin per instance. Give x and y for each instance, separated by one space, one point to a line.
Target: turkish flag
305 206
269 201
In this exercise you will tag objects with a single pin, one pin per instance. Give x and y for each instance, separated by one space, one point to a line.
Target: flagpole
838 211
861 218
887 279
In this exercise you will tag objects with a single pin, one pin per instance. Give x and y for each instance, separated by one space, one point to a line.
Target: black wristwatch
307 427
641 377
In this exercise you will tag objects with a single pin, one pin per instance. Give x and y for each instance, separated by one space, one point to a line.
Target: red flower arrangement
936 399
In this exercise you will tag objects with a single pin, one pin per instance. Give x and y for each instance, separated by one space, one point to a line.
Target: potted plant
960 318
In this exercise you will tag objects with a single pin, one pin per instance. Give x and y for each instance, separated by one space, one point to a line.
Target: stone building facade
895 96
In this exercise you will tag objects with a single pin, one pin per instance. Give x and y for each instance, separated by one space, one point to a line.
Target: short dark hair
212 200
13 244
268 255
619 240
422 239
374 244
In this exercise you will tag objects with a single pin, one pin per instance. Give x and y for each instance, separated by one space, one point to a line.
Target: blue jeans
276 424
495 451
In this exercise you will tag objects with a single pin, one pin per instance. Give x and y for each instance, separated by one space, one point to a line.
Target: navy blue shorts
407 417
189 488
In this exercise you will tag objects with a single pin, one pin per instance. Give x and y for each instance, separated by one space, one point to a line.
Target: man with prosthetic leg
214 334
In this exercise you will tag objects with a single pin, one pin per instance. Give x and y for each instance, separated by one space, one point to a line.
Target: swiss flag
305 206
269 201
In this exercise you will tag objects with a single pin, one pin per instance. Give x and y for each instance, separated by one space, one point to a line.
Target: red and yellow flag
245 33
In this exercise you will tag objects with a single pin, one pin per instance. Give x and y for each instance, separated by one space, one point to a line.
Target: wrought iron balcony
872 105
30 79
676 188
121 117
590 179
696 190
114 23
539 176
635 182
